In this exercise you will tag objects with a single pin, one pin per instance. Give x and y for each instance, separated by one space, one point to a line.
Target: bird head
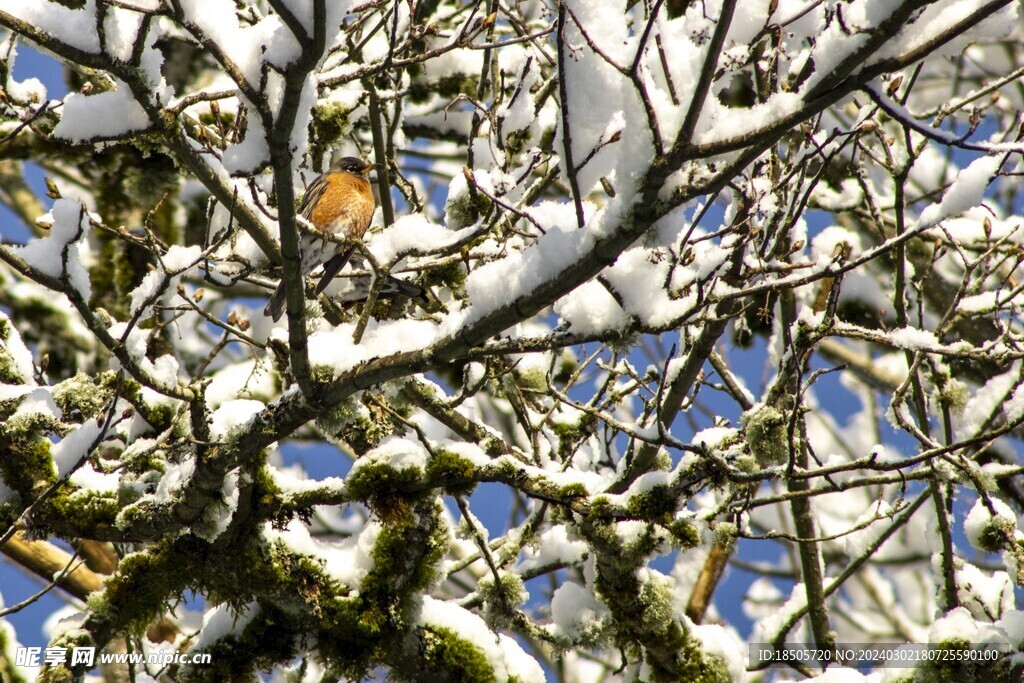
353 165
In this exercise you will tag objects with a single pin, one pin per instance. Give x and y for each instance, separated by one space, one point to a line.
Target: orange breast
346 206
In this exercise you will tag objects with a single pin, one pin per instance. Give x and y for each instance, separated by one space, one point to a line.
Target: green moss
336 418
547 139
30 426
376 480
391 308
8 672
567 365
572 491
249 570
134 515
9 373
996 534
659 619
331 122
455 84
747 463
566 431
27 466
501 599
662 461
964 670
533 380
685 534
454 472
297 578
161 416
623 343
351 642
121 266
954 395
267 640
362 426
125 277
454 658
647 626
495 447
266 496
571 432
658 607
89 511
407 551
80 398
9 512
466 209
56 675
405 558
147 468
700 667
642 545
51 334
146 582
230 660
516 141
767 434
646 623
600 508
321 374
74 638
140 591
452 275
657 504
129 388
726 533
8 407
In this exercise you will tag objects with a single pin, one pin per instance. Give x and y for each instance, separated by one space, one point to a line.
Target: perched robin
340 202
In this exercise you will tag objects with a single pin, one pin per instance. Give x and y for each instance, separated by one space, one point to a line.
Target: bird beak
368 168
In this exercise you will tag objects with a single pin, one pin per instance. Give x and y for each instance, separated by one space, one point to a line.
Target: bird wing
313 194
332 267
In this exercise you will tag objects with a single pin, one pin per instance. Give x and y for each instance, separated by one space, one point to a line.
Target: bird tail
332 267
275 307
357 288
360 286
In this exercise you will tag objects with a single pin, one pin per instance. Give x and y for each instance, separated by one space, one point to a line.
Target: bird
357 287
339 202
